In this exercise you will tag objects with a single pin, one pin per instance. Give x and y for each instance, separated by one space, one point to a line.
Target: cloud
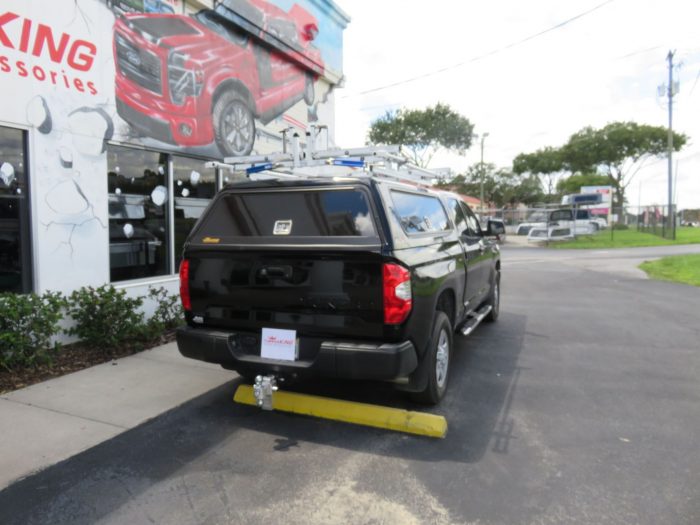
603 67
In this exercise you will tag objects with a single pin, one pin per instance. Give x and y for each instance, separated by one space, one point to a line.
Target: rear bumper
323 358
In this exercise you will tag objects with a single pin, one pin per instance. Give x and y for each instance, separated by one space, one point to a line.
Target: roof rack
379 161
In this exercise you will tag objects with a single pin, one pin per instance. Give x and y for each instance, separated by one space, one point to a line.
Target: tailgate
315 293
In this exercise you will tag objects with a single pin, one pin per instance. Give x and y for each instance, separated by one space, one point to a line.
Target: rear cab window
290 215
458 215
472 222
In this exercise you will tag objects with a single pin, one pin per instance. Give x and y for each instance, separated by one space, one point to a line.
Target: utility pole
481 172
671 218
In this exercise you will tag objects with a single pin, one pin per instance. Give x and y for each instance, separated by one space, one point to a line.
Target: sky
602 67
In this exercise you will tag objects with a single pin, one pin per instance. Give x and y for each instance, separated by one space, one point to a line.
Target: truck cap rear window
288 214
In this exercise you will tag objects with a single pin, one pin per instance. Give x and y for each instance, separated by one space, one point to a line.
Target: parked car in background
577 222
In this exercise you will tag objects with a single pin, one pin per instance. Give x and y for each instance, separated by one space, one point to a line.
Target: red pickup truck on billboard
191 81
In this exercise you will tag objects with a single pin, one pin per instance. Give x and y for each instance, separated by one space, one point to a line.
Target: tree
546 163
527 191
617 151
573 183
423 131
501 186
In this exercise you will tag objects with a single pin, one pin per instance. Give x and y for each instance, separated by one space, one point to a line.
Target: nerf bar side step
475 319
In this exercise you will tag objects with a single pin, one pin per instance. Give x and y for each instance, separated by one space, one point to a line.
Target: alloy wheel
442 359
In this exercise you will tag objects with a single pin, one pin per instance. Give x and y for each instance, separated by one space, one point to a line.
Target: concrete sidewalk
54 420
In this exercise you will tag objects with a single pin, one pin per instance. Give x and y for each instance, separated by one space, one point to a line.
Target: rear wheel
234 125
439 354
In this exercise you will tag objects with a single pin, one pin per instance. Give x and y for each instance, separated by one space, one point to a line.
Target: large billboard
156 74
606 192
218 82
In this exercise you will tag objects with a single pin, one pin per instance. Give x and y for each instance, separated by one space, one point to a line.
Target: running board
475 319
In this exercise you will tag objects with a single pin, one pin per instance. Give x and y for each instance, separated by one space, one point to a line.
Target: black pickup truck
356 278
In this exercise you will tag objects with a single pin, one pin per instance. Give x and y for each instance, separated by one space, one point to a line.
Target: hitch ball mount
263 388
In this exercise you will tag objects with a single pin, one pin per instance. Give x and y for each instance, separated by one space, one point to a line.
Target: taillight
397 294
185 285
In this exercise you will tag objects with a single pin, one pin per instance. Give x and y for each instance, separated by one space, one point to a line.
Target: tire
494 299
234 125
309 91
439 355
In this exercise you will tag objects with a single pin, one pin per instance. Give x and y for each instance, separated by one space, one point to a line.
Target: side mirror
495 229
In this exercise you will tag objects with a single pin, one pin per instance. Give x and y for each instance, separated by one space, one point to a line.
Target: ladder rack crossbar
382 161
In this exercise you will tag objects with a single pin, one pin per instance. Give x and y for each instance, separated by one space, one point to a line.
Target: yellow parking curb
350 412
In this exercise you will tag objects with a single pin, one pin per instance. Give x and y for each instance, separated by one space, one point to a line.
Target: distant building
473 202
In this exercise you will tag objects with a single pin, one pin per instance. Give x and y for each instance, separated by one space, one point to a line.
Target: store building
110 109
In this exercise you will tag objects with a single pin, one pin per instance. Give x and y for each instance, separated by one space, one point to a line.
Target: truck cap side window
308 213
420 213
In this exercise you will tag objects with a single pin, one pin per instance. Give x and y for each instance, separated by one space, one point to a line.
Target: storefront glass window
15 262
138 213
194 187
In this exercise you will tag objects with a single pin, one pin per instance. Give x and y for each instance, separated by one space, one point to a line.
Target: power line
694 83
485 55
640 52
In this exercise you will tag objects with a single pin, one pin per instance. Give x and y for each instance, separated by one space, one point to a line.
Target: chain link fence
657 220
551 222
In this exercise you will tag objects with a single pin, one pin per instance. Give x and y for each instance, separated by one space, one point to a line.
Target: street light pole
671 217
481 173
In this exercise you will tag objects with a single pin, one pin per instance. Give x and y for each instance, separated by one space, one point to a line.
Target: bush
168 313
28 322
105 317
620 226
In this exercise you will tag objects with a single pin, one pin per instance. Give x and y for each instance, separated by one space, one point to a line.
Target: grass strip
677 268
629 239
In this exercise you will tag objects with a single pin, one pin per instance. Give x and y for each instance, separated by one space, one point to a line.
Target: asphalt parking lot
581 405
